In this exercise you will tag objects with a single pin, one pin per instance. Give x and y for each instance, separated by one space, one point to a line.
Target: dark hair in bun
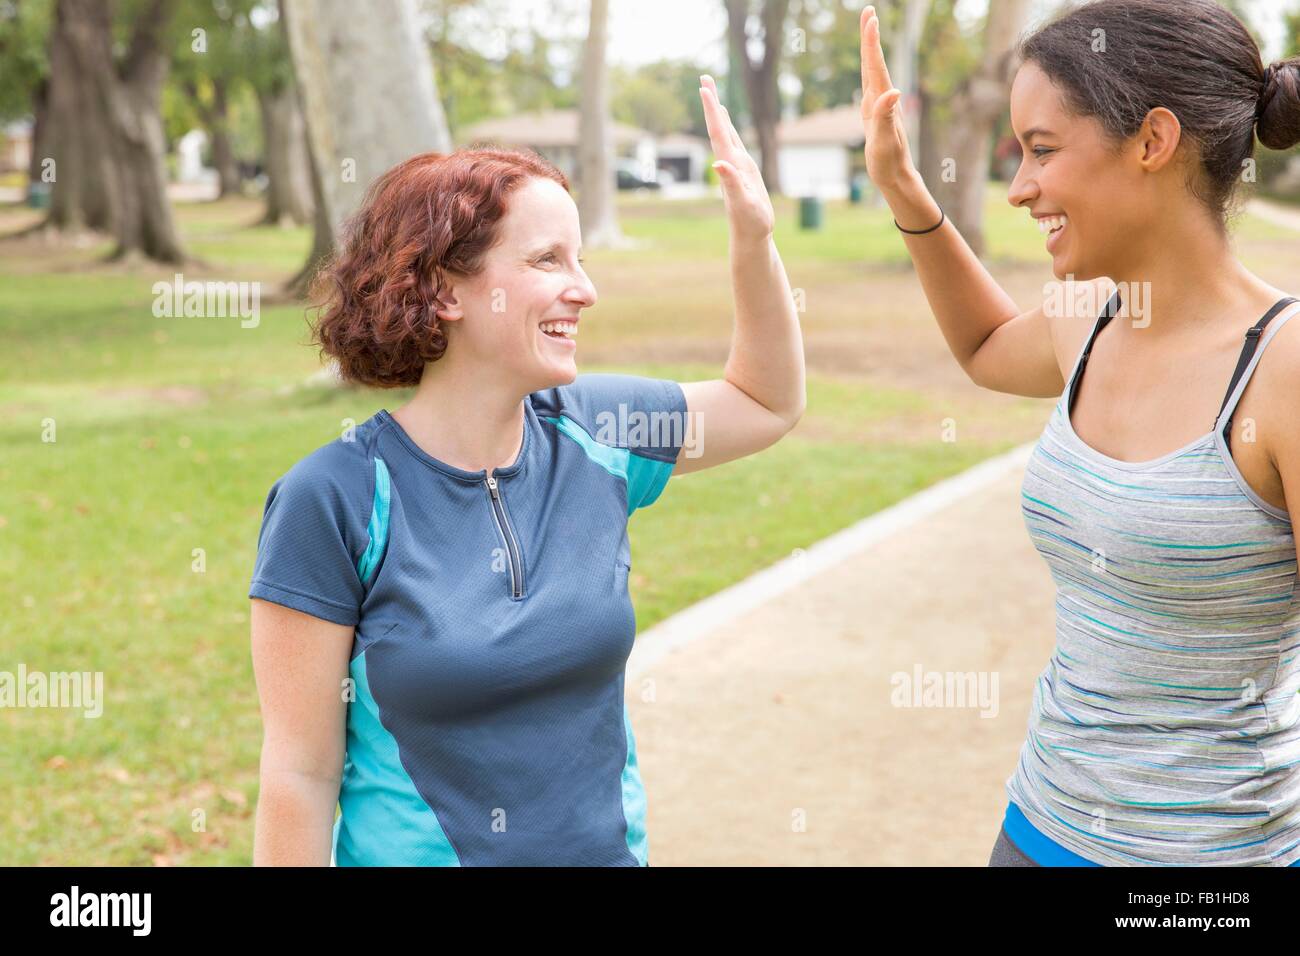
1278 126
1116 60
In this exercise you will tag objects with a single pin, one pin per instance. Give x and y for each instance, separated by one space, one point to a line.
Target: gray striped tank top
1165 729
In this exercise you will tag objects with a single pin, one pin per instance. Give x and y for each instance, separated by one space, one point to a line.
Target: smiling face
519 314
1091 200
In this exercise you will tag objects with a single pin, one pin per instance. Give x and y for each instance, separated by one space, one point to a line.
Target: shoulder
340 474
1072 309
625 411
1279 366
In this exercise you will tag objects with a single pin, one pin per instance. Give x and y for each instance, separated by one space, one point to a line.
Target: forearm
766 359
295 820
967 302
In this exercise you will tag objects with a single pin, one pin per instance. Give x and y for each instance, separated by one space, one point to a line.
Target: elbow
792 417
975 370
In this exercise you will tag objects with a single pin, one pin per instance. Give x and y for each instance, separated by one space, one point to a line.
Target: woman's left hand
749 209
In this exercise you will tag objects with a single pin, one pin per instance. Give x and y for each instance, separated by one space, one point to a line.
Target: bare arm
761 394
997 345
300 663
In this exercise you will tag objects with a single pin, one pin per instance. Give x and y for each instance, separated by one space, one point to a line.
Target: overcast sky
641 31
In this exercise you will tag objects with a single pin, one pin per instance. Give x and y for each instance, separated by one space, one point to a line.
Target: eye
1041 151
549 257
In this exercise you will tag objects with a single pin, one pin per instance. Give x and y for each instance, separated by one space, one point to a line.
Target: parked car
629 177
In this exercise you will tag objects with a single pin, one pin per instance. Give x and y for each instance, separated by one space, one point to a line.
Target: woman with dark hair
459 567
1165 729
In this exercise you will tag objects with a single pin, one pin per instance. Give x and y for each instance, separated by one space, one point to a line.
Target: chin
553 376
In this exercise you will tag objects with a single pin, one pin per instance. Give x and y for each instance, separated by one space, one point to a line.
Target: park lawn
126 544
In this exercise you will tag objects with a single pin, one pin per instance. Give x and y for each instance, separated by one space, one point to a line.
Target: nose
1023 189
582 292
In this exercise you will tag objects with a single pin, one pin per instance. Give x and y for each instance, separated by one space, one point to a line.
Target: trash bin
810 212
38 195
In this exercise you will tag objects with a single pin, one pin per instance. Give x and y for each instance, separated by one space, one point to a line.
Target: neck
1182 274
462 417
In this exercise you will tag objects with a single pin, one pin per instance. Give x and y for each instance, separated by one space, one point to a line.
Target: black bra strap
1248 349
1111 309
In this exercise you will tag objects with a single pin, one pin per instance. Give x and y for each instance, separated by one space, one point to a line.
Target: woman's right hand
889 162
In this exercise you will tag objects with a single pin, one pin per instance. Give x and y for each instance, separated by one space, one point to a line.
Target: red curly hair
433 215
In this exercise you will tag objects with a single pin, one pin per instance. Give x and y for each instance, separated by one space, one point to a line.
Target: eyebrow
1029 134
553 247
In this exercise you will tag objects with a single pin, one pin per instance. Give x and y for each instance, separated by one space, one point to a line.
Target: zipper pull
492 486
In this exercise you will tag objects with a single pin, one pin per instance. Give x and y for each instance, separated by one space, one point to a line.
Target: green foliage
662 97
488 62
24 54
824 53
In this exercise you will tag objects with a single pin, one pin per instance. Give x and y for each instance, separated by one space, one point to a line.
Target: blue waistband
1041 849
1033 844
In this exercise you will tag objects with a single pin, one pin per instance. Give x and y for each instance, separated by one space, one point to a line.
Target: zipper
512 546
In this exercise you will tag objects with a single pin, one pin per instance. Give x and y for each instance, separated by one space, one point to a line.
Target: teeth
562 326
1048 223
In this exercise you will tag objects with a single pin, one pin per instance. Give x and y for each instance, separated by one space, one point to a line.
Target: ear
451 309
1158 139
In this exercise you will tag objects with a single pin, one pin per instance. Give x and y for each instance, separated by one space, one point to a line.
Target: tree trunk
596 207
223 155
903 59
83 179
760 78
322 241
129 98
368 97
40 130
974 111
289 191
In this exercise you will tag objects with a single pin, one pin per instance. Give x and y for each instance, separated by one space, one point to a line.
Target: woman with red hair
459 566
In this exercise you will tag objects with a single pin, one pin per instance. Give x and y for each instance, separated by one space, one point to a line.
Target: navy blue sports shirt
486 723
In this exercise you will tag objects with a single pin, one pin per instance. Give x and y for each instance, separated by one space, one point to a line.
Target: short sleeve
645 416
305 550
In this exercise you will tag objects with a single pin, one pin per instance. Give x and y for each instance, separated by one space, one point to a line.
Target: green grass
170 431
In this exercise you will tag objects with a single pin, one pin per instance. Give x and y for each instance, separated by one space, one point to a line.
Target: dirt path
771 739
1276 213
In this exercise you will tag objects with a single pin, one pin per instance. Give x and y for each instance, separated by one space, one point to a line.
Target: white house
554 134
683 156
818 153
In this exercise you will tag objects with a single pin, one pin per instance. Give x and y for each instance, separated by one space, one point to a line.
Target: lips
1052 225
563 332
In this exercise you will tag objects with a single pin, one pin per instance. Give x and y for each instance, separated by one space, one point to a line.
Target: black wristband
922 232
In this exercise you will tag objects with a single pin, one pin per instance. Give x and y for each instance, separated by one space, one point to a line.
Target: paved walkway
763 716
1276 213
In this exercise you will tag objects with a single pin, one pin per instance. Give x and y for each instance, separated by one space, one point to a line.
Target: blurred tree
661 97
761 24
210 72
947 56
106 123
369 99
904 59
25 69
286 159
825 52
961 146
596 209
490 62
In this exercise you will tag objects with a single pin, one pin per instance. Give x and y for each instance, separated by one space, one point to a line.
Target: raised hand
749 209
888 159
